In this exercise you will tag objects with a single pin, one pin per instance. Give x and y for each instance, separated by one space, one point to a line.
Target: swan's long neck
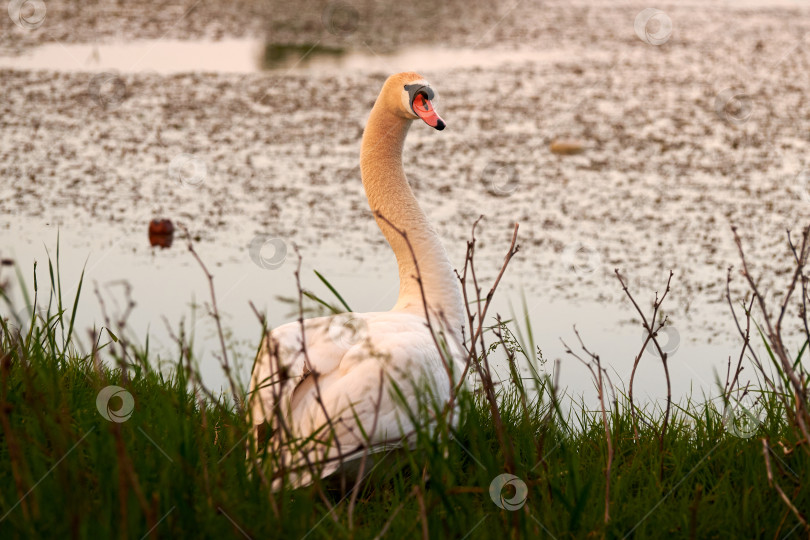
389 194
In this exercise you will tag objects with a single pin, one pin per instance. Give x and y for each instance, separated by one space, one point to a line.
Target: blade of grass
313 296
334 291
75 307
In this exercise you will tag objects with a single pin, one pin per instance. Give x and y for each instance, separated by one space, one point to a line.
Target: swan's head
410 95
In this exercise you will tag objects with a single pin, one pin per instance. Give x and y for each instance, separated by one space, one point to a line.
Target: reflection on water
161 56
286 56
251 56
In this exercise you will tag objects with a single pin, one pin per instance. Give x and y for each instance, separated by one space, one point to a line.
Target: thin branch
597 375
652 335
217 319
773 483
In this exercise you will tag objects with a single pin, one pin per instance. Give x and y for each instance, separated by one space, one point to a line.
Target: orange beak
423 108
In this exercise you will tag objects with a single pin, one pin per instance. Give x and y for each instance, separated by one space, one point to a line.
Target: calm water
250 56
167 284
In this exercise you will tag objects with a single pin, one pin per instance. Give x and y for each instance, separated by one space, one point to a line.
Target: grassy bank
161 456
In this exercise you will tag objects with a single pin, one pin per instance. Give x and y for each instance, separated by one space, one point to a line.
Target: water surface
168 287
252 56
165 284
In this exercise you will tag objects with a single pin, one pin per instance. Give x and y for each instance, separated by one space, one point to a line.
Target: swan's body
319 380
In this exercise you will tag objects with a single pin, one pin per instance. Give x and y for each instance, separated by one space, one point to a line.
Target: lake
250 143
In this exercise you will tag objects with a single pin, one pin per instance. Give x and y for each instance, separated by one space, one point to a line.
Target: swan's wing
282 363
358 404
334 394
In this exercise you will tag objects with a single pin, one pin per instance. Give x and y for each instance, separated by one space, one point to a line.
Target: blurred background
618 134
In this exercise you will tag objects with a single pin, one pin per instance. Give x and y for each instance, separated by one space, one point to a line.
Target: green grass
177 468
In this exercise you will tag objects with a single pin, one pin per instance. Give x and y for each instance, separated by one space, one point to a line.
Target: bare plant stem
513 249
313 372
773 483
226 367
799 407
594 365
428 322
652 331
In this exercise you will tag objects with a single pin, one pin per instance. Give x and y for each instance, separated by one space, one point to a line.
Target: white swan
327 383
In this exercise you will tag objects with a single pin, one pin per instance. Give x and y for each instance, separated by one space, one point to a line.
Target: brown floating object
567 147
161 233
